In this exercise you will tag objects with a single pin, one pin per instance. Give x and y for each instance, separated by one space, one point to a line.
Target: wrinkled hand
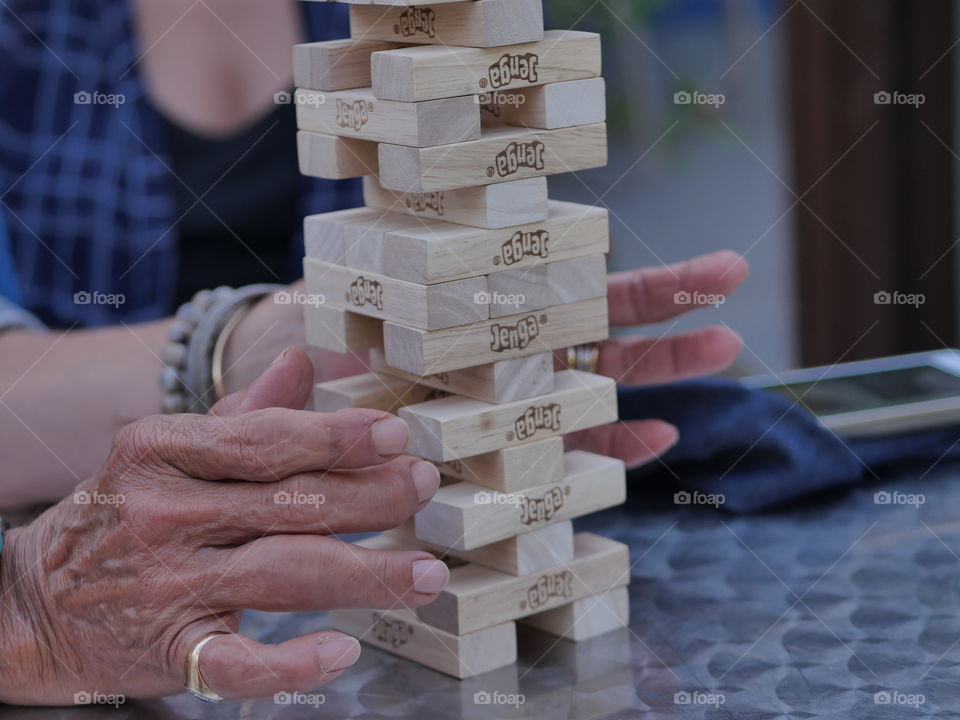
194 519
650 295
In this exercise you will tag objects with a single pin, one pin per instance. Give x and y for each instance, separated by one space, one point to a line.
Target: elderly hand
192 520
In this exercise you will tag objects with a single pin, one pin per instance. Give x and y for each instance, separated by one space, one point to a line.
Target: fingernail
426 478
390 436
429 576
339 653
279 359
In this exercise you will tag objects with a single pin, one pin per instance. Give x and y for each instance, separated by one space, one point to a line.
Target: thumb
287 383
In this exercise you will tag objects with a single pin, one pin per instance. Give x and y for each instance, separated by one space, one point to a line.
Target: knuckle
253 440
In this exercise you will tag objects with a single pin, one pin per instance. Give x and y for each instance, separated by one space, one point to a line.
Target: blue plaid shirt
84 193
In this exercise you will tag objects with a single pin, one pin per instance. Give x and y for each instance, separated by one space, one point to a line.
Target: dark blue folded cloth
758 449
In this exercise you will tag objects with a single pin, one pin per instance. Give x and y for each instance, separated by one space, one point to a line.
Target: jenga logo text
542 509
514 68
537 417
420 202
518 155
352 115
550 586
514 336
415 20
525 244
366 292
394 633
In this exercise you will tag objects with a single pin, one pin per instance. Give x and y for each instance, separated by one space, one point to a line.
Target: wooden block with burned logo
548 107
341 331
465 516
586 618
546 284
501 154
511 469
402 633
425 353
490 206
477 597
336 64
428 72
333 157
358 114
370 390
497 382
417 306
457 427
481 23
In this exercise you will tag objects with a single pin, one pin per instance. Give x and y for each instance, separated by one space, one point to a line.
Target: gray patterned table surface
844 607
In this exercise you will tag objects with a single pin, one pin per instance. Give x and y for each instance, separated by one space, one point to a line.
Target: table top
844 607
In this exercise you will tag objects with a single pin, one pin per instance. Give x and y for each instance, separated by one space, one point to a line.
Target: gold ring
193 678
584 357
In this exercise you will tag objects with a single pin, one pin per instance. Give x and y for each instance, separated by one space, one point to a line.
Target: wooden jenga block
585 618
324 234
357 114
424 353
370 390
419 306
497 382
335 158
558 105
365 245
501 154
427 72
546 284
490 206
480 23
341 331
465 516
400 632
336 64
457 427
430 252
477 597
511 469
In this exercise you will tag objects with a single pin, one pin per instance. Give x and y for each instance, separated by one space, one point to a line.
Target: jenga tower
461 278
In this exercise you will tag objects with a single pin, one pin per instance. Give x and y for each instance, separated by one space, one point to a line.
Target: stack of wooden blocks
460 279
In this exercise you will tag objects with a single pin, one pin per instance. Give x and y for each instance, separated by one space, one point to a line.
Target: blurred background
816 137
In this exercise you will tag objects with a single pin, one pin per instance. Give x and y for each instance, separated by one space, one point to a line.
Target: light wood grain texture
428 71
336 64
458 427
511 469
335 158
400 632
341 331
548 107
369 390
357 114
481 23
585 618
425 353
324 235
546 284
491 206
501 154
477 597
418 306
498 382
465 516
431 251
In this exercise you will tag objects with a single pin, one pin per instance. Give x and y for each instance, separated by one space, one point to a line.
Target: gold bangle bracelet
216 360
